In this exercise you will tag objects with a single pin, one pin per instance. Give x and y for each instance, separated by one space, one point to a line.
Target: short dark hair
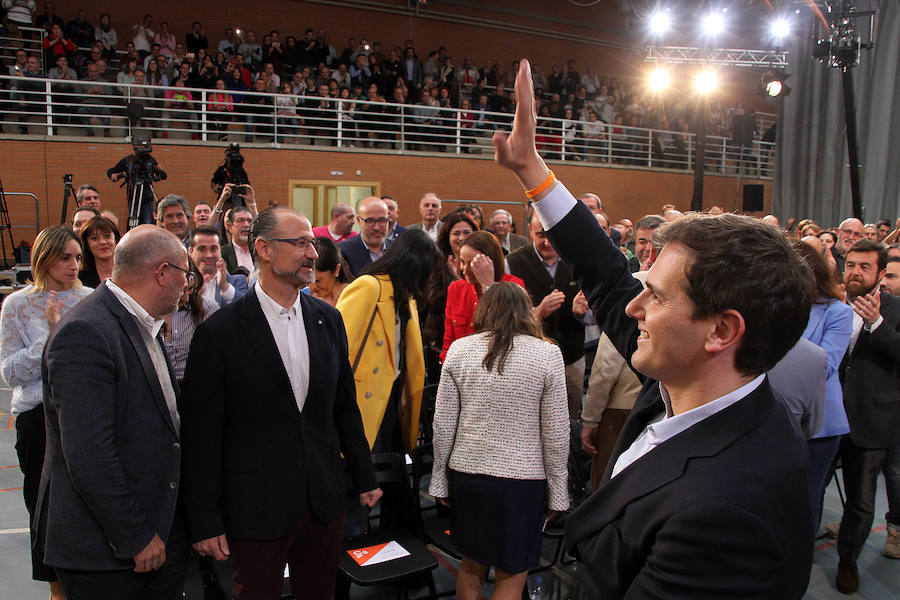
871 246
229 218
739 263
443 239
649 222
884 222
330 257
203 230
263 226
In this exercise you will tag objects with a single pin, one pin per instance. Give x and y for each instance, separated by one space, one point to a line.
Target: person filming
139 170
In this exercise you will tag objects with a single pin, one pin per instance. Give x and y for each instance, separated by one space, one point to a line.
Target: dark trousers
311 552
821 458
165 583
892 484
861 467
30 437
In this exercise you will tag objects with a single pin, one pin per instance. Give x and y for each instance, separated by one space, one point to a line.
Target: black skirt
497 521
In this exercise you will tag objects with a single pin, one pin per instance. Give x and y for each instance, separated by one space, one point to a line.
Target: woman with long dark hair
380 312
27 318
332 273
830 326
501 442
99 238
482 265
178 328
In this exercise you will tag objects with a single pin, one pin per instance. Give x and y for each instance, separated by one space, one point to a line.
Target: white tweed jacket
513 425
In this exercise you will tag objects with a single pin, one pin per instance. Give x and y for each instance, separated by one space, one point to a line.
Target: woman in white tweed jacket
501 441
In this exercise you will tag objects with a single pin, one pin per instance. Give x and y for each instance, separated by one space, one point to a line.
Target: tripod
69 190
136 204
5 228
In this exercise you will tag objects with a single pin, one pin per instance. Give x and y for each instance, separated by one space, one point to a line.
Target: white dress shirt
858 327
243 258
432 231
669 425
289 332
209 291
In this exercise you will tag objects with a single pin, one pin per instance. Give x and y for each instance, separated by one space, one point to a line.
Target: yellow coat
374 375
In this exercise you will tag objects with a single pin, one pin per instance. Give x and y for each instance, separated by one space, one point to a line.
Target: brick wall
37 166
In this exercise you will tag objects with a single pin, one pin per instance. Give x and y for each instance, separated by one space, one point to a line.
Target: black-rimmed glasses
188 274
301 242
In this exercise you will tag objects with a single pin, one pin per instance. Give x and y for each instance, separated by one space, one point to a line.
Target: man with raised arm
705 493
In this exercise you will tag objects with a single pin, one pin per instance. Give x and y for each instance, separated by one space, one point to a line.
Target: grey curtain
812 178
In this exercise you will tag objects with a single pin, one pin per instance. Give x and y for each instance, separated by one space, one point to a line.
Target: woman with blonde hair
501 442
26 320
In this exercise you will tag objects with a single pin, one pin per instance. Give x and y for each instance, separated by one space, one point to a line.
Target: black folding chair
405 571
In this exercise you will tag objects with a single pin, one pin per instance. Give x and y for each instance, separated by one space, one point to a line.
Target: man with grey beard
275 439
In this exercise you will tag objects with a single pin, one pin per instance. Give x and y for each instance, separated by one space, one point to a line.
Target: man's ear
726 331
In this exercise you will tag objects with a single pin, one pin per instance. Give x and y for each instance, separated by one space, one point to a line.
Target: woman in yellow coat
388 366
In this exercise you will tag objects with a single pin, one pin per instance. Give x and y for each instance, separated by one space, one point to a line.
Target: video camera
143 164
232 171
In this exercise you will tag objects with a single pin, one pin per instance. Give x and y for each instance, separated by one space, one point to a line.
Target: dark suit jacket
252 460
395 233
113 459
871 379
230 258
356 254
720 510
561 326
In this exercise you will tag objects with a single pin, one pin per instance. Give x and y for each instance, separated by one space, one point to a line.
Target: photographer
230 171
239 195
140 168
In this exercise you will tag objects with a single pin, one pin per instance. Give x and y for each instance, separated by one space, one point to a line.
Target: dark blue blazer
112 465
240 288
720 510
252 461
355 253
395 233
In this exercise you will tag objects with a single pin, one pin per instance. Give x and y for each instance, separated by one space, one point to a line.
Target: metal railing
76 108
32 41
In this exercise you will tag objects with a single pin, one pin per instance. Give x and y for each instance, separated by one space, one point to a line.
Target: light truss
732 57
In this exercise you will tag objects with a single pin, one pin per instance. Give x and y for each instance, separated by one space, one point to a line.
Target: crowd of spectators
581 115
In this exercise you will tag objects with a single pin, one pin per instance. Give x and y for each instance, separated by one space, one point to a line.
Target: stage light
772 84
713 24
781 28
659 80
660 22
706 82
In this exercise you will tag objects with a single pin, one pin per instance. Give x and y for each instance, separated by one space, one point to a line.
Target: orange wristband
541 188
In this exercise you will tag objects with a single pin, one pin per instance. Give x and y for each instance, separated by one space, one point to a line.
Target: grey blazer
421 226
113 459
798 380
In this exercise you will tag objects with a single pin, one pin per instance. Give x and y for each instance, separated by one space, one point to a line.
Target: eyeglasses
301 243
189 275
374 221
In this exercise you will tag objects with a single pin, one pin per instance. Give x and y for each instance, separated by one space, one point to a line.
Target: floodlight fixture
660 21
659 80
713 24
705 82
780 28
772 84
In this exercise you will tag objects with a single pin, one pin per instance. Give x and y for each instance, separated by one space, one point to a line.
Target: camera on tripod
143 166
232 171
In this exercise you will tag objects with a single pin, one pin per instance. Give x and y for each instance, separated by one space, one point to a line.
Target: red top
461 302
322 231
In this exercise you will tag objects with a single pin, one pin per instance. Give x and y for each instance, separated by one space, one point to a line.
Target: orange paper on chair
379 553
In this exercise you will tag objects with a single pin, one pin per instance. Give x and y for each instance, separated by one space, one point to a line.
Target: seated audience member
430 210
702 336
501 224
217 285
237 253
83 215
553 288
389 402
332 272
359 251
501 442
201 215
99 237
178 328
28 315
481 265
289 508
341 226
172 215
87 195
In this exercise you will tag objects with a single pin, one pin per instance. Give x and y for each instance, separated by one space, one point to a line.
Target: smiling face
290 263
671 342
102 245
62 275
458 234
205 252
174 220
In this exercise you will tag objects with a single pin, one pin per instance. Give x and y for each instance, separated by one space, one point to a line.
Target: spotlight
706 82
781 28
772 84
713 24
660 22
659 80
